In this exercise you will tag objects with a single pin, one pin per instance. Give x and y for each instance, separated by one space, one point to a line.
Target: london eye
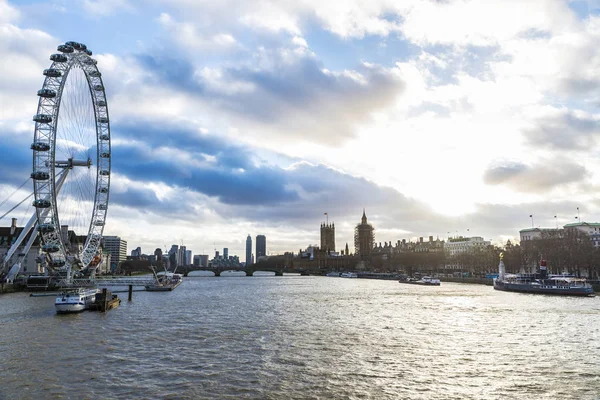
71 159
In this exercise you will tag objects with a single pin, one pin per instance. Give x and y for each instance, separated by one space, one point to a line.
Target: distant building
421 246
248 250
137 252
261 246
364 237
117 248
203 260
591 229
464 244
225 252
158 254
221 262
188 257
181 256
536 233
328 237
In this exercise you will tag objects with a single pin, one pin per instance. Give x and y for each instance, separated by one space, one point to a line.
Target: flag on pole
530 215
324 213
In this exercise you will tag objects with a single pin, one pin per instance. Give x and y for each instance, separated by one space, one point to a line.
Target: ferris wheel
71 158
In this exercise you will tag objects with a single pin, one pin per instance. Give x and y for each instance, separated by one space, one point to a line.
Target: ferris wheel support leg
20 238
14 271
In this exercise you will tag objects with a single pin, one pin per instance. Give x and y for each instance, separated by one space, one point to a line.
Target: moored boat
165 283
349 275
541 283
425 281
75 300
334 274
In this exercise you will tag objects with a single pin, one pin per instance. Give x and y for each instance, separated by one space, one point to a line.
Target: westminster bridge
279 271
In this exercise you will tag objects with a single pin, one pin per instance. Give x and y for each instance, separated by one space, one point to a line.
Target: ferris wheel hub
70 163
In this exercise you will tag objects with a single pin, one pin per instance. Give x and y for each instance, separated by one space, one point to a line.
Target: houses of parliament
365 246
364 238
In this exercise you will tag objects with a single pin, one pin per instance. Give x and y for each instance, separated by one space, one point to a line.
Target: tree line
568 251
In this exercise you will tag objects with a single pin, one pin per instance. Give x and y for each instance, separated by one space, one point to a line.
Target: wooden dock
105 301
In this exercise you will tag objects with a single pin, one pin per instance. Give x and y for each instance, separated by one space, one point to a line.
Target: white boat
426 280
336 274
75 300
165 283
349 275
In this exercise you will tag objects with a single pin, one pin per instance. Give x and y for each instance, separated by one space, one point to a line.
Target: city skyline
438 118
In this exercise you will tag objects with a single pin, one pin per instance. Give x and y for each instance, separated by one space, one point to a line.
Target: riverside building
464 244
117 248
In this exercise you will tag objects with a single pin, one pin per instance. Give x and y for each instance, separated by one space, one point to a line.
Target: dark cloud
242 185
175 72
15 158
564 130
542 177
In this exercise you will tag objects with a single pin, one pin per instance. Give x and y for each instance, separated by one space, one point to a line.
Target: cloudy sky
232 117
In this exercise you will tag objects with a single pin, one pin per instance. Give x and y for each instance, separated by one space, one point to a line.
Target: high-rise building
248 250
225 253
261 246
201 260
364 237
181 256
188 257
137 252
158 254
117 248
328 237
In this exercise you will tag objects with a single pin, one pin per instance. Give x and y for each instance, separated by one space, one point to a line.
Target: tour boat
335 274
349 275
541 283
75 300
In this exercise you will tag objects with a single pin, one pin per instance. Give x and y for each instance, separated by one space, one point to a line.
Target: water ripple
305 338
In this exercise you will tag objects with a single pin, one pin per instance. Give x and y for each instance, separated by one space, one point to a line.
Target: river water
305 338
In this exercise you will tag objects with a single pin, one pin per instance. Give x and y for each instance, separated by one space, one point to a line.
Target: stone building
328 237
364 237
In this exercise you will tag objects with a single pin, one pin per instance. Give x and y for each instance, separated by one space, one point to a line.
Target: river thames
298 337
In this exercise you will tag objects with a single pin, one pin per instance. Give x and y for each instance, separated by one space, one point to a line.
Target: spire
364 217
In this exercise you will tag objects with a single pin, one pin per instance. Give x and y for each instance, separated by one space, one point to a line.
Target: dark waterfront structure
248 250
261 246
364 237
328 237
158 256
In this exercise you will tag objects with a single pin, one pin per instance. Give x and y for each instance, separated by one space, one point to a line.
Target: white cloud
7 12
186 35
299 41
481 23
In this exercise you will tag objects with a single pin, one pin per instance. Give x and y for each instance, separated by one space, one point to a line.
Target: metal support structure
31 224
